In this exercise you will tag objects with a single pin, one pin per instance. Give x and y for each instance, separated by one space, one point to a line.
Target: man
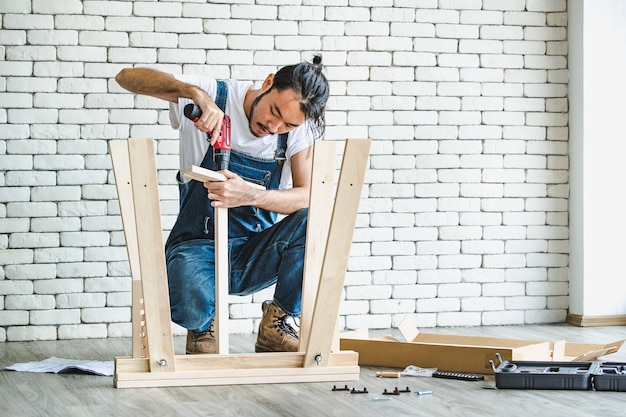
273 128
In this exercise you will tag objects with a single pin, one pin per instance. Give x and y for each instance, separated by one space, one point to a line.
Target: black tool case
545 375
610 376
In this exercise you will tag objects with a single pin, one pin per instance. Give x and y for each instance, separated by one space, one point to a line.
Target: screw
318 358
162 362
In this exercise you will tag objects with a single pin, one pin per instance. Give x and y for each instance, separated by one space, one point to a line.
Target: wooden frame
153 362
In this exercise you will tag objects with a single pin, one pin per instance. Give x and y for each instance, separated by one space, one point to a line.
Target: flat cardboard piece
582 352
462 353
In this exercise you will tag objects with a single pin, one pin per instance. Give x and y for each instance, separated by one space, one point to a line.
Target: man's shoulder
237 87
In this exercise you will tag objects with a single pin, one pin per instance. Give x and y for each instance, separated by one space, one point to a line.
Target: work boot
201 342
275 334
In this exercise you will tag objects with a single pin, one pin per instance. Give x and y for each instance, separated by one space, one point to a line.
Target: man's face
275 112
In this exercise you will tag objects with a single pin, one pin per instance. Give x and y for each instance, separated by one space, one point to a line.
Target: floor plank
76 395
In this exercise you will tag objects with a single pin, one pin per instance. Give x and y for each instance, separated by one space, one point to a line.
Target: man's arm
234 192
165 86
155 83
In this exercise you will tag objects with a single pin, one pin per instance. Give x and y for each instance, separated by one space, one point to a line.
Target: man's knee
298 221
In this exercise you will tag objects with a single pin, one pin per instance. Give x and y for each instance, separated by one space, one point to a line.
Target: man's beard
251 115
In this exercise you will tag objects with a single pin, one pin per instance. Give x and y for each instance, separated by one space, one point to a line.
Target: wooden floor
75 395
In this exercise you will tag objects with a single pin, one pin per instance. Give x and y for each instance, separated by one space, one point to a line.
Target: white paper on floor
60 366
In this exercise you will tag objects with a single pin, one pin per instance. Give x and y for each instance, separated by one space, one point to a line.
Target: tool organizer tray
599 376
545 375
610 376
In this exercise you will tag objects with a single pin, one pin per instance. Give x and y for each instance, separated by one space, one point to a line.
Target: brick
8 194
82 331
35 209
18 6
545 316
51 255
133 55
157 9
53 37
80 300
437 305
483 275
14 225
525 302
503 318
212 11
80 177
153 40
30 272
343 43
95 38
368 321
482 304
107 8
559 302
58 286
54 131
54 194
297 42
13 318
58 162
16 100
11 288
16 256
414 262
392 306
31 333
107 284
105 314
179 55
459 319
54 317
119 299
459 261
81 269
101 223
29 302
28 21
178 25
354 307
33 240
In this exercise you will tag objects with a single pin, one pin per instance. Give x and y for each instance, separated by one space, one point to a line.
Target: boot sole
262 349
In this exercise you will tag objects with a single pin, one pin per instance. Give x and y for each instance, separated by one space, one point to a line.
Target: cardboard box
463 353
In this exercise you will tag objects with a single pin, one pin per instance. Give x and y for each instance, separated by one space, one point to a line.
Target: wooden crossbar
153 363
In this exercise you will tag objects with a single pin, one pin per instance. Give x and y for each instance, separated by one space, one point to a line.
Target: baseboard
595 321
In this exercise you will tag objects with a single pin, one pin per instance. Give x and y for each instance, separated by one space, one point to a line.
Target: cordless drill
221 148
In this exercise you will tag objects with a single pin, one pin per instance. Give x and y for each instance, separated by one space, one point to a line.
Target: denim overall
261 251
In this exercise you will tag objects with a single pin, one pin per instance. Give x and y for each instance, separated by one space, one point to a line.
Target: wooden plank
222 275
229 362
283 367
320 209
337 251
269 376
151 255
121 170
222 261
203 175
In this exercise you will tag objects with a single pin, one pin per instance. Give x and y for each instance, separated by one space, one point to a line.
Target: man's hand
212 116
234 192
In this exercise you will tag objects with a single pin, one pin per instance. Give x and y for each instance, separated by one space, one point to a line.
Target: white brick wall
463 219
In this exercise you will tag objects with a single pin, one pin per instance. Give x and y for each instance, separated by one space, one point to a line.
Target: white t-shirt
194 144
